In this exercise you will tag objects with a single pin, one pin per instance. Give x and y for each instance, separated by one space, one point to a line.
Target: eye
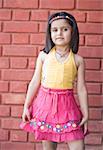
54 30
65 29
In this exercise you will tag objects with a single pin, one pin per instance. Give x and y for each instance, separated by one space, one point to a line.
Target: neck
62 49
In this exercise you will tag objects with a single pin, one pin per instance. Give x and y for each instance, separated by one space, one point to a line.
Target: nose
59 31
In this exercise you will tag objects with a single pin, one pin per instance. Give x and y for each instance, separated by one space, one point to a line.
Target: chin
60 44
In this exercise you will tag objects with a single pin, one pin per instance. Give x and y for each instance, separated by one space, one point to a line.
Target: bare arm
82 91
34 83
33 87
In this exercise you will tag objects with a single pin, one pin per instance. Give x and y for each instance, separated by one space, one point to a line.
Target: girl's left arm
82 92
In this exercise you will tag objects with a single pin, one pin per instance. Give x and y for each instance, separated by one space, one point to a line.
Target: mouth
59 38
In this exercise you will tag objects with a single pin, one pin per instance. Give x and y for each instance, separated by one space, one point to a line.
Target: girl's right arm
33 87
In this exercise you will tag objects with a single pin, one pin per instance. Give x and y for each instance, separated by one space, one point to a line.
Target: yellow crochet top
58 75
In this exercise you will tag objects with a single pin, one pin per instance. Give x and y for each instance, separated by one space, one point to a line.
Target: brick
5 14
94 139
4 86
89 5
17 62
10 123
4 135
96 16
92 64
11 98
0 74
37 39
31 137
102 88
0 25
18 136
32 63
95 100
16 111
5 38
0 50
4 62
95 28
79 16
40 48
42 26
93 40
21 15
20 4
17 26
94 88
18 86
91 52
94 76
22 75
4 111
102 64
20 38
95 113
16 50
81 42
0 3
18 146
58 4
39 15
95 126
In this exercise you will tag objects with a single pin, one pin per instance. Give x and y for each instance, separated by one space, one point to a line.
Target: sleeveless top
58 75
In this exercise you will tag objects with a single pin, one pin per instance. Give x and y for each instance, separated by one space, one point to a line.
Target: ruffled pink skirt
55 116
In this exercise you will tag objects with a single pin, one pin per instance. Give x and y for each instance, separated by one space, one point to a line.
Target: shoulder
79 59
42 55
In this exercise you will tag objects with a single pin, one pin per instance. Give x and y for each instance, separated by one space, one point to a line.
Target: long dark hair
74 43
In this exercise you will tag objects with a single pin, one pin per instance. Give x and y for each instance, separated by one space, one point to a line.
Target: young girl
54 115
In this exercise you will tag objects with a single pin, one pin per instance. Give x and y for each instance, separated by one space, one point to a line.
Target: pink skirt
55 116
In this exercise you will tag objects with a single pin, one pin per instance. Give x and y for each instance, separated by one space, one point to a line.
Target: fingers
84 125
82 122
85 128
26 116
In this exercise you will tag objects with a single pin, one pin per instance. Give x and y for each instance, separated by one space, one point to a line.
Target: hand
26 115
84 124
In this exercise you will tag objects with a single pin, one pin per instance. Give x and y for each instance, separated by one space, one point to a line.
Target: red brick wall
22 32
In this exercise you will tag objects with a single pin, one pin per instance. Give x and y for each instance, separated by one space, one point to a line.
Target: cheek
69 34
52 36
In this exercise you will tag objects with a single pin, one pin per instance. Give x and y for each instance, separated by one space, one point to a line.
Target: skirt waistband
56 91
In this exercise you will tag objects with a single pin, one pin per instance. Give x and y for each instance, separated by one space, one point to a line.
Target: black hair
74 43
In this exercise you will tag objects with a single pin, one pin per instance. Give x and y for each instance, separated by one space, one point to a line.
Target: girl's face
61 32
